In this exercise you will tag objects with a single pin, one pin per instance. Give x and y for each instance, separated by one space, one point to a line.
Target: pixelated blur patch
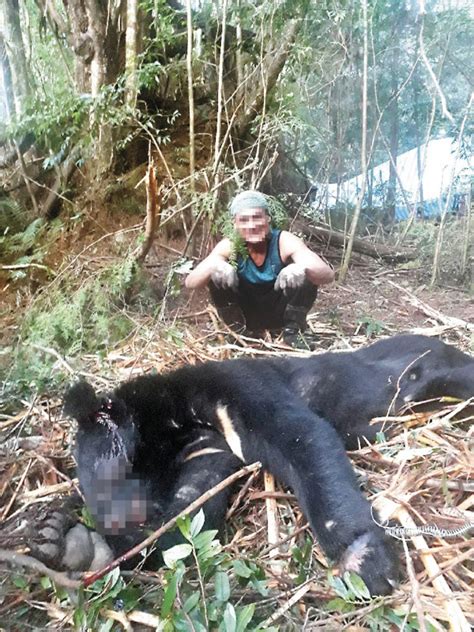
119 502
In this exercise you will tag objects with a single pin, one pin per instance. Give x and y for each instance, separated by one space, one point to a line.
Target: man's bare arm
201 274
294 249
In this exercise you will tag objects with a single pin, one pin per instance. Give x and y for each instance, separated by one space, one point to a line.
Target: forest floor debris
422 475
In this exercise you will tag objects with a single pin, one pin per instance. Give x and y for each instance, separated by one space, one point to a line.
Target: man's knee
228 305
222 297
302 296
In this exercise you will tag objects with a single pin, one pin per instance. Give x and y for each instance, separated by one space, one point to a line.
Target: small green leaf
198 627
191 601
204 539
230 620
222 586
20 582
112 578
297 554
337 604
357 585
176 553
339 586
260 586
241 569
244 616
169 597
180 623
209 552
197 523
184 525
79 617
45 583
168 627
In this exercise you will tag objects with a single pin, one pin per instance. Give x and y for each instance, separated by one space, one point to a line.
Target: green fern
83 320
13 216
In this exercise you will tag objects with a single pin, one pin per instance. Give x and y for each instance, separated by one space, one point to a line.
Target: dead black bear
149 448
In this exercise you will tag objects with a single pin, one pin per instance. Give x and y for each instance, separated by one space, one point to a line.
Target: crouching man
272 284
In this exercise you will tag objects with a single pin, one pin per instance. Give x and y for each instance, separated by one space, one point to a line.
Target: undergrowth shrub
422 239
205 587
202 587
28 245
13 217
68 320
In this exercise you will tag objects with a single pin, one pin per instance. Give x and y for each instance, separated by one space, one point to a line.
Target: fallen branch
415 588
25 266
299 594
448 321
272 519
374 250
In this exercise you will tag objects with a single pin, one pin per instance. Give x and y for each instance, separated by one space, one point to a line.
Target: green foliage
278 214
370 326
13 218
197 591
203 588
209 603
351 591
30 245
302 557
89 319
56 118
422 239
70 320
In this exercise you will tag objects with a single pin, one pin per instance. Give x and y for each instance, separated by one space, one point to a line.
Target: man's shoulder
289 244
290 240
223 248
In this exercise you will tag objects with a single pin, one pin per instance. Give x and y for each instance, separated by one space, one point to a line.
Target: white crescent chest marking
230 435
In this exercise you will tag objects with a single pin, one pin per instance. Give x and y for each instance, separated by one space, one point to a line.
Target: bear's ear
81 402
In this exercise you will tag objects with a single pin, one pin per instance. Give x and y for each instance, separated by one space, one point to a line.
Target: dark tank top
269 270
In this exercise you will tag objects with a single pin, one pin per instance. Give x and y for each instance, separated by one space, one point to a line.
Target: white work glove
291 277
225 276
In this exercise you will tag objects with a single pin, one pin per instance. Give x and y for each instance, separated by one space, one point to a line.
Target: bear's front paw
373 557
62 543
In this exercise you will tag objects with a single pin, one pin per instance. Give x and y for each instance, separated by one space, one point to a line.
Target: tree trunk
131 54
97 25
393 140
99 67
8 104
80 40
363 151
16 54
370 190
420 201
254 95
339 239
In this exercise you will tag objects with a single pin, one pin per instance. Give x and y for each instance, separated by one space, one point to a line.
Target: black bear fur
156 443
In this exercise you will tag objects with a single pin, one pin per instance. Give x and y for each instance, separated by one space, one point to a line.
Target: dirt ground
385 296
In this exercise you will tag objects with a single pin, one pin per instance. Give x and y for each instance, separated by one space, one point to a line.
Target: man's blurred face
252 225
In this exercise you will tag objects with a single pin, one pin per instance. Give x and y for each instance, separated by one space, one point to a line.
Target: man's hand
225 276
291 277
